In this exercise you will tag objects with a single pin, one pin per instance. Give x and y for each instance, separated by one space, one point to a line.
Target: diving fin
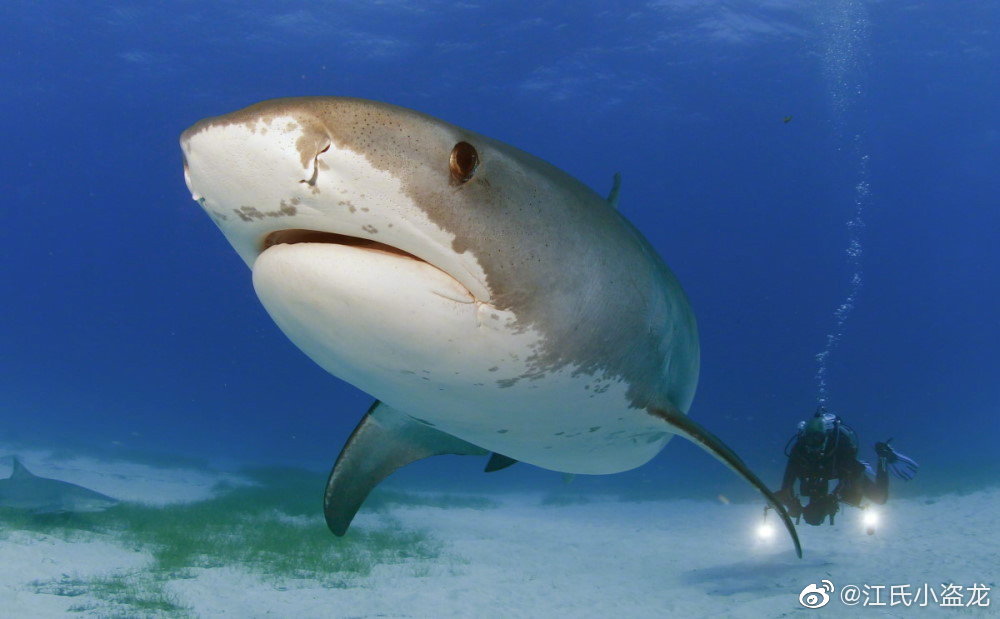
688 428
497 462
384 441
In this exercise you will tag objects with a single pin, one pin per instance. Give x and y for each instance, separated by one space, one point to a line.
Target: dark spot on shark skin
502 431
250 213
558 434
312 144
370 229
595 428
407 372
503 383
493 369
655 436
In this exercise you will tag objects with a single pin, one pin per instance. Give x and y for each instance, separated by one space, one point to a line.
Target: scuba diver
825 448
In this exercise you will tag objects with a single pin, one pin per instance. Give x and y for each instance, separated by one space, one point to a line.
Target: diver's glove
901 466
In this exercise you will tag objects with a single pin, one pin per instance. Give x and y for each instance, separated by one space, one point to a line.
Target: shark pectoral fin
685 426
384 441
497 462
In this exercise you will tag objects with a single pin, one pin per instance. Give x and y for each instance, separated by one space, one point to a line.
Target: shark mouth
291 237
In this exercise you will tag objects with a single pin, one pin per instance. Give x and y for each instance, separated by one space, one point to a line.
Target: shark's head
376 232
334 171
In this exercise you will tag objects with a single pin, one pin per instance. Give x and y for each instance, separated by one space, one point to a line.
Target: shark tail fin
384 441
19 469
688 428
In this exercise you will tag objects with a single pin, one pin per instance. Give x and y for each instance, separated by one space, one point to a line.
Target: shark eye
464 160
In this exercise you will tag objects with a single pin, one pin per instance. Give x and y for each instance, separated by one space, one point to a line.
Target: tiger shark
40 495
492 303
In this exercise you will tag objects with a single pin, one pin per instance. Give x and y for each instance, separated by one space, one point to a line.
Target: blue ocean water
813 172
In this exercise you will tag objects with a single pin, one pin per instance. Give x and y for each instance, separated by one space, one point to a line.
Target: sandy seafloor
524 558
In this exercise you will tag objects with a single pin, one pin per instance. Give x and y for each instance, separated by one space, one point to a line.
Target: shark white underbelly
449 361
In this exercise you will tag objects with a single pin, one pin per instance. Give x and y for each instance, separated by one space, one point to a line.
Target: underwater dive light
765 531
869 518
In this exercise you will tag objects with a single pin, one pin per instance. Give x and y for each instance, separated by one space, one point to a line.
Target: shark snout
187 175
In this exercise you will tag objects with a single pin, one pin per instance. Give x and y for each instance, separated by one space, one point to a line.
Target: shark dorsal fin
616 186
20 470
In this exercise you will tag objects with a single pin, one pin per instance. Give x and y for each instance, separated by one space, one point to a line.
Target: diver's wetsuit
814 469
